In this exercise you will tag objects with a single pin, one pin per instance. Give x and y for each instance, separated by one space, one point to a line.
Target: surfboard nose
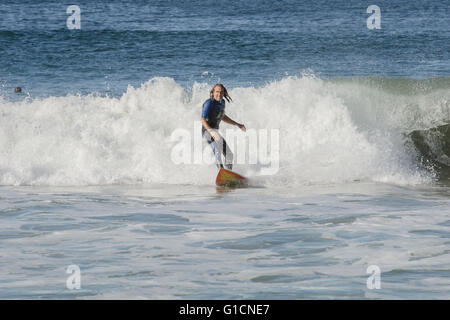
230 179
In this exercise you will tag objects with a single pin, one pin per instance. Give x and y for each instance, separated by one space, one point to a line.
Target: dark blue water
240 43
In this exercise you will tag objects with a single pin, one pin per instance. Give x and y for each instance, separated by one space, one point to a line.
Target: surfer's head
218 92
17 89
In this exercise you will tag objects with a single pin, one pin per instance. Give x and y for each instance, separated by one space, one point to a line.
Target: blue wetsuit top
213 112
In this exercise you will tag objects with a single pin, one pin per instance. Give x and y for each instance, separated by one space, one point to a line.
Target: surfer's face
218 93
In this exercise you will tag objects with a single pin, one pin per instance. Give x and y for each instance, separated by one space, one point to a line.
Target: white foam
329 132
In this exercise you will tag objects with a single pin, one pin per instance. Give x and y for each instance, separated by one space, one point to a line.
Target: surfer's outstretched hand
242 127
215 135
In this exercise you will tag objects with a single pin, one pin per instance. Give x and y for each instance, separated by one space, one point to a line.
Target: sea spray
330 131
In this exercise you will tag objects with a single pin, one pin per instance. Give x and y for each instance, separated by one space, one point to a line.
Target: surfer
212 113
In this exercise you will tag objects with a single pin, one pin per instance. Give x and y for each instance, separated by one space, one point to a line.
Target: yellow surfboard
227 178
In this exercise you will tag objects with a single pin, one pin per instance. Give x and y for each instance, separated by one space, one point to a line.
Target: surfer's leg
215 148
228 155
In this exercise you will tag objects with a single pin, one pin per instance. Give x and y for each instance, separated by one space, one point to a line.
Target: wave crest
333 130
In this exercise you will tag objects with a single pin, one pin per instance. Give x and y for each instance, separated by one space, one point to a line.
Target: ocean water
355 177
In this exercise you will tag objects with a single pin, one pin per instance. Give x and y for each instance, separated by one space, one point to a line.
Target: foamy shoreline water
188 242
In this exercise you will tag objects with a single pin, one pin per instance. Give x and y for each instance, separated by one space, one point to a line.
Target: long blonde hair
225 92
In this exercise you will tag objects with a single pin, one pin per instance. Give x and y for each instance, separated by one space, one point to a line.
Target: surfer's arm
208 128
205 124
227 119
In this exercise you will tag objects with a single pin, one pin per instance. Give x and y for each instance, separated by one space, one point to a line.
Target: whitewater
89 181
332 131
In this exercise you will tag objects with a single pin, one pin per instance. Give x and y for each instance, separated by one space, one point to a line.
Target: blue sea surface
240 43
